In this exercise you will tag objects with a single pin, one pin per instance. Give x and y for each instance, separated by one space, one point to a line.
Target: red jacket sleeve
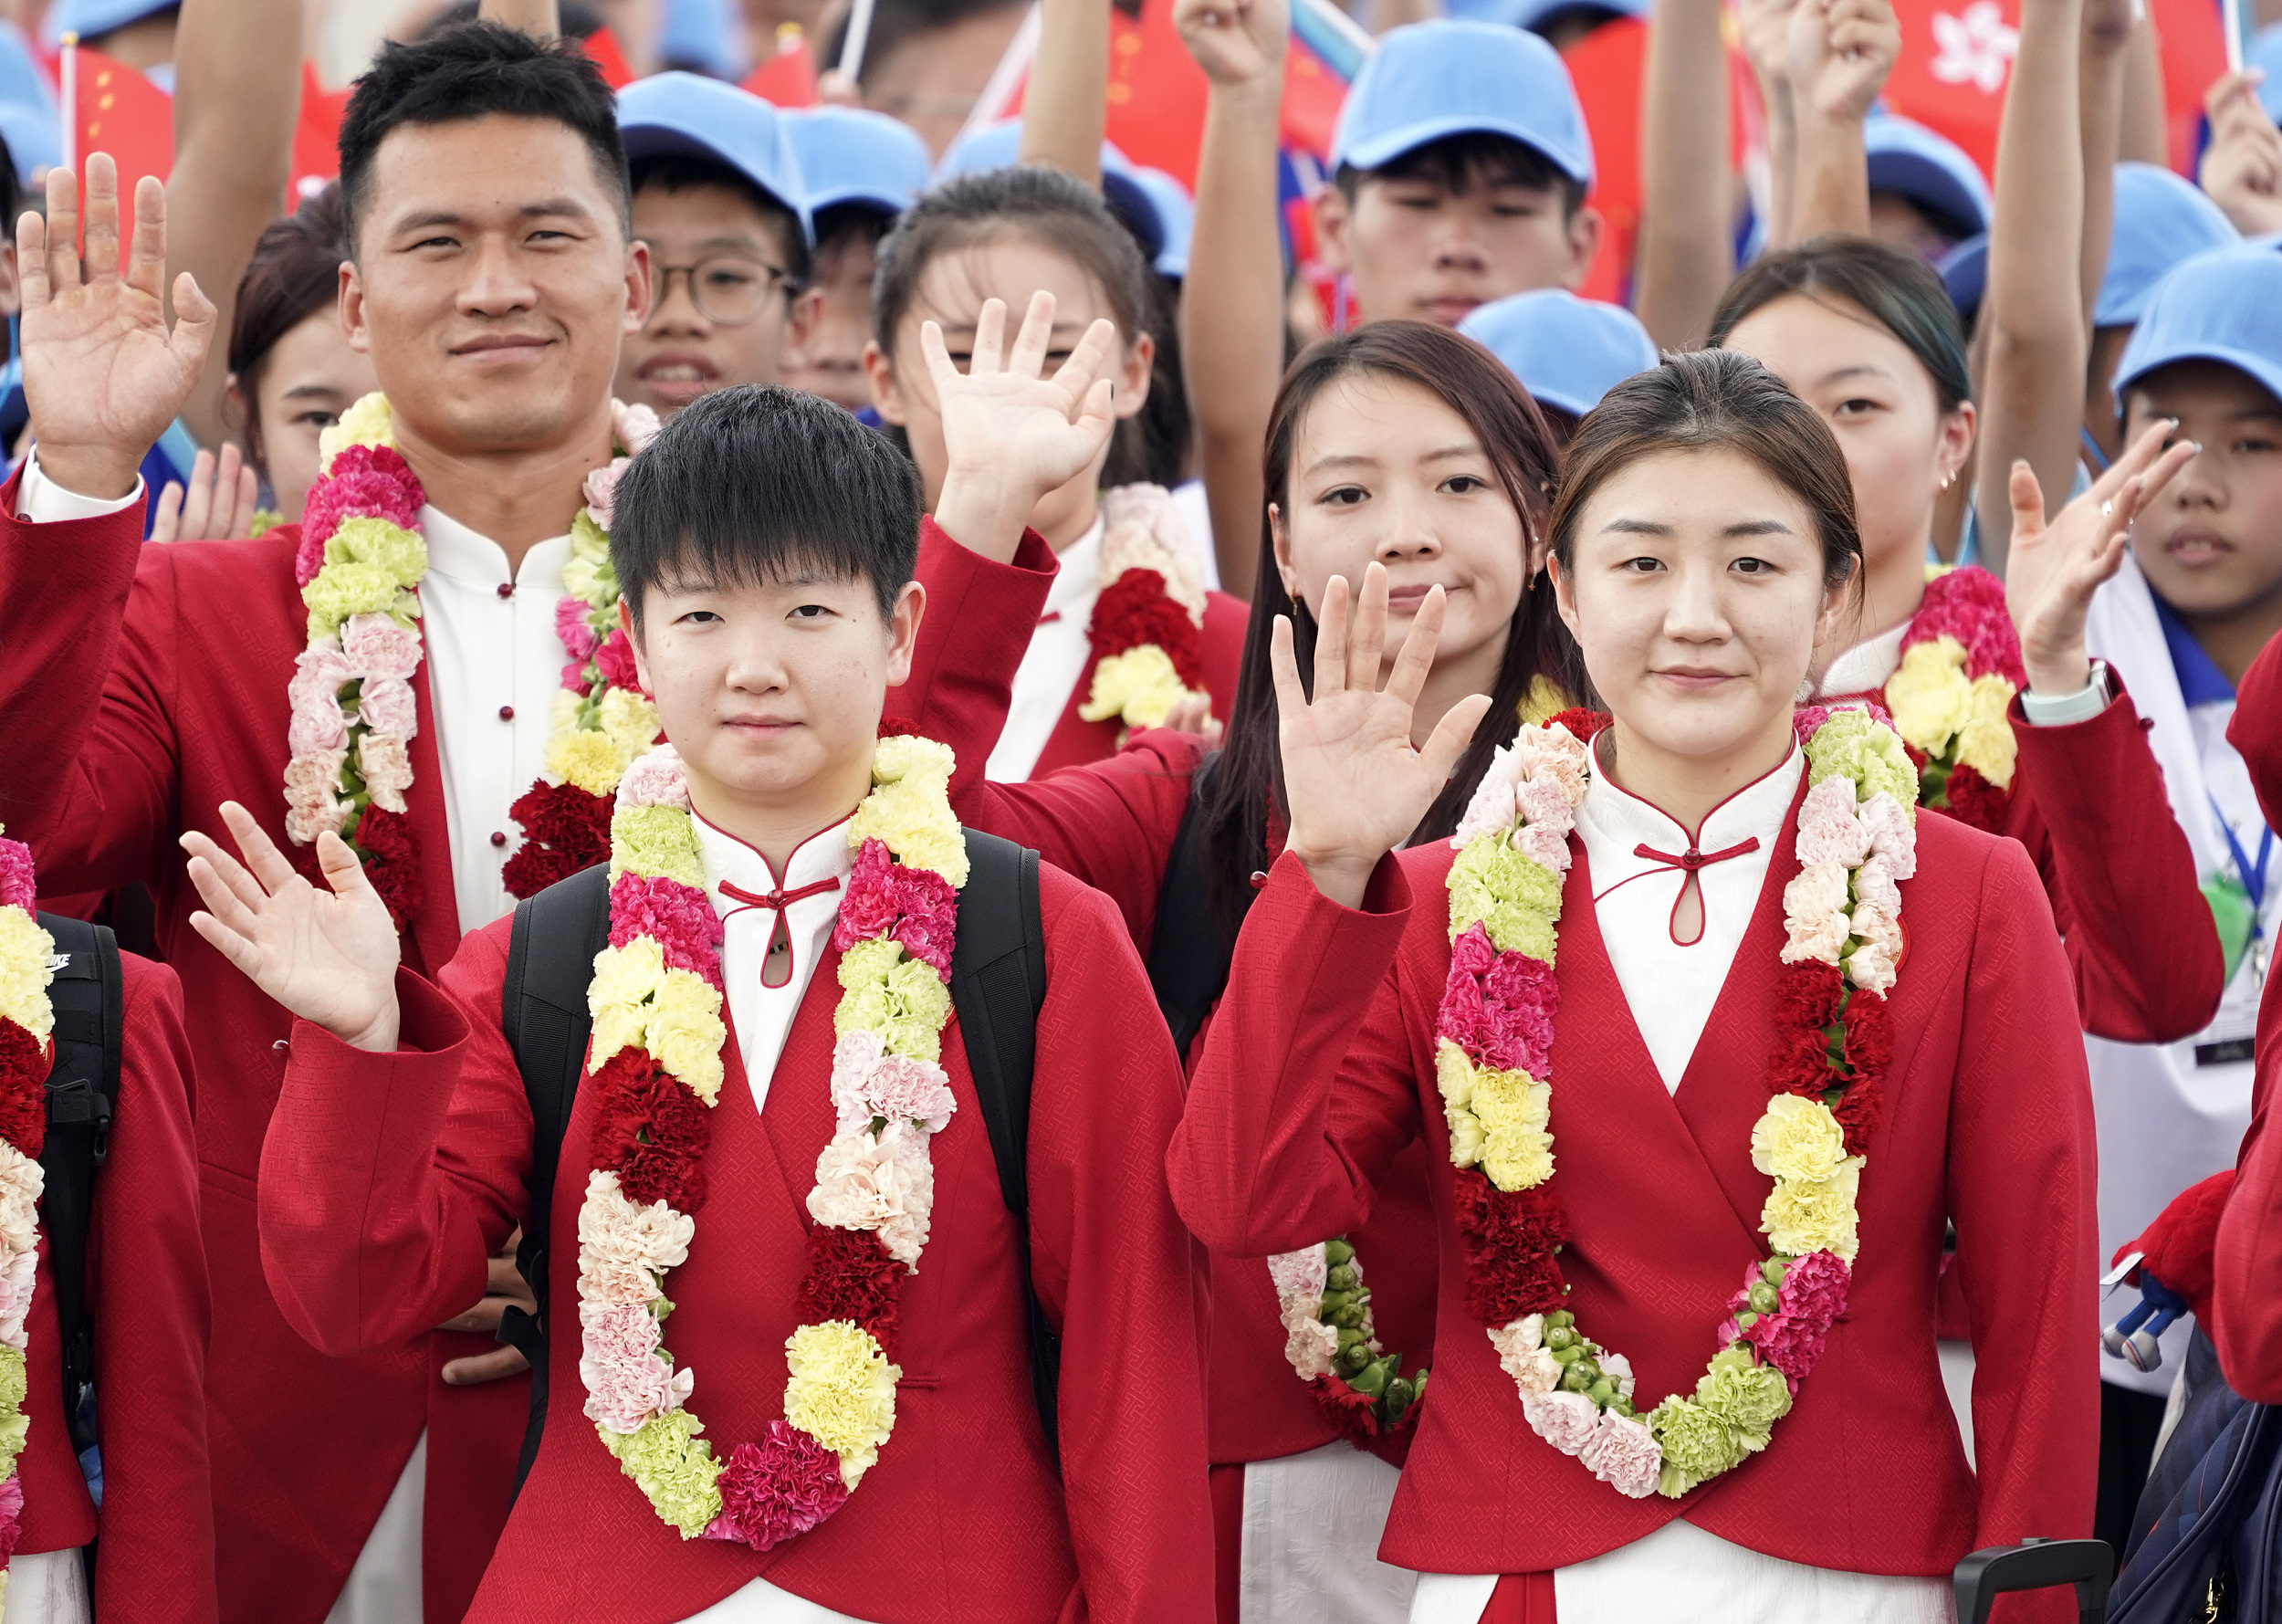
91 739
1110 1257
2088 803
388 1180
2022 1182
1110 823
155 1557
1305 1090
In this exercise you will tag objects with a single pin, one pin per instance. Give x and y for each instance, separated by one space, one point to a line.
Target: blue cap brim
2265 371
1389 145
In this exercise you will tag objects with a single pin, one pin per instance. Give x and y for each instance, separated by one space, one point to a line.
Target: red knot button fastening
506 713
498 838
506 589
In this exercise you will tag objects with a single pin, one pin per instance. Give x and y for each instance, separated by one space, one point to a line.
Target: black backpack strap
997 986
88 995
543 1013
1189 950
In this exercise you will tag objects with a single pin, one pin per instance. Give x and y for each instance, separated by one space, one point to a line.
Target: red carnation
23 1066
1808 993
391 861
782 1486
565 829
1353 1414
1133 610
1973 800
851 1276
651 1131
895 727
1580 721
1509 1239
1800 1064
1869 1034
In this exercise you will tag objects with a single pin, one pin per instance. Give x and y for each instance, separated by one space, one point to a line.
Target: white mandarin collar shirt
1867 667
746 894
1055 664
1640 865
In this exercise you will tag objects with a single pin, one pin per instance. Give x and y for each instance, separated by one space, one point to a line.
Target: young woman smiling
1714 1140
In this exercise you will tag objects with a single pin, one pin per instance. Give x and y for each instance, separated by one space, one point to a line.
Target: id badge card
2234 1035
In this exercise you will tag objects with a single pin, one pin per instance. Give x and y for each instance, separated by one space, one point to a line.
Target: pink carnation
601 490
385 705
1828 832
1624 1454
17 887
1806 719
915 905
633 426
782 1486
578 636
1565 1420
1815 1287
655 779
868 1082
309 557
364 481
1892 834
375 646
574 677
1969 606
1499 1007
316 723
615 656
677 916
626 1381
11 1514
1547 843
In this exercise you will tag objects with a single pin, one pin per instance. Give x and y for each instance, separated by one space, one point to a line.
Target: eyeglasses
728 291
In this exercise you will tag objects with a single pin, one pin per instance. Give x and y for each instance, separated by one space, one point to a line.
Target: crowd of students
1459 955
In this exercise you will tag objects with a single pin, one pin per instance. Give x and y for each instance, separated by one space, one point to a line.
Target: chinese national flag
124 114
317 138
602 49
789 78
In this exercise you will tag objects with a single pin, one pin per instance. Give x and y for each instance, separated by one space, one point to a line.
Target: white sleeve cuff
41 500
2045 710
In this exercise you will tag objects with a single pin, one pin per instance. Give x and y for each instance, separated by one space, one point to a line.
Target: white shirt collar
475 559
1614 821
1864 667
727 859
1077 578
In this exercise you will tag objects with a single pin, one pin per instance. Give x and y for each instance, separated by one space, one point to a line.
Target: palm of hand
329 957
97 366
1354 780
1021 424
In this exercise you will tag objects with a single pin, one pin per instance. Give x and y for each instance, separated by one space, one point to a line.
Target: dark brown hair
1899 291
1709 400
1246 781
295 274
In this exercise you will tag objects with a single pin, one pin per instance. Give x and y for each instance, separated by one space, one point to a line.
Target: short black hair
758 483
680 171
472 71
1471 158
843 225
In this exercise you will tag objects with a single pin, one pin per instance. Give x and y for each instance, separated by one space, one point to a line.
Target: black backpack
998 985
88 997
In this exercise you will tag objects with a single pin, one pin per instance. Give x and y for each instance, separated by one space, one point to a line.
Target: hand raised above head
329 956
1236 42
1839 54
102 375
1356 784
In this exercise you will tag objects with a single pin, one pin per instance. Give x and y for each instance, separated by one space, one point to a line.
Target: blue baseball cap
91 18
1540 16
1000 146
1964 273
699 33
1177 212
1428 81
2160 221
2266 51
1928 169
2224 306
851 154
691 115
1567 352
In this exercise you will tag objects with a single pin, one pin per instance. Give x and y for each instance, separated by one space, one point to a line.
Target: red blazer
386 1179
1298 1107
155 1562
2087 801
1111 823
140 687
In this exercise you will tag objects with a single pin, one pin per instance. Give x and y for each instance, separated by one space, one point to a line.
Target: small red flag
317 138
602 50
789 78
124 114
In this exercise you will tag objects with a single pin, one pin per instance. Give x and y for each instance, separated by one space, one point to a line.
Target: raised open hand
2054 570
2241 167
102 375
219 505
329 956
1356 784
1236 42
1838 54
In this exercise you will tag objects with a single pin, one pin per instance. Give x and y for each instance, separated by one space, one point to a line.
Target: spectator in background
139 34
1926 194
718 197
860 171
1567 352
2160 221
927 62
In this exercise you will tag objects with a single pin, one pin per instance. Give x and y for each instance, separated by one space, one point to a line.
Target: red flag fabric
124 114
316 137
602 49
789 78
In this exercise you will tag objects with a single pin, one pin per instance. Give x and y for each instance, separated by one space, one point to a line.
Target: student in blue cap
718 197
861 170
2161 222
1926 194
1567 352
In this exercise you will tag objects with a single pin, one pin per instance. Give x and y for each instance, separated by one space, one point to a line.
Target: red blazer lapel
796 1119
435 931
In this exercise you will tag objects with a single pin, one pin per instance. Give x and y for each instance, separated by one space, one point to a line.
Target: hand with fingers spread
1236 42
504 1288
329 956
219 506
2054 569
1838 54
1011 434
2241 167
1356 784
102 375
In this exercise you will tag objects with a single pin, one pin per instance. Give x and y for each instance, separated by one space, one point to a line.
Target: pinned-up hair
757 484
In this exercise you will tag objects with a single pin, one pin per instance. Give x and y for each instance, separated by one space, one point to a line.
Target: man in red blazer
403 1137
140 688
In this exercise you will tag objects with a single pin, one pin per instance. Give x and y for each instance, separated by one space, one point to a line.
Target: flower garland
655 1064
1334 1346
1148 628
1961 666
1493 1046
26 1021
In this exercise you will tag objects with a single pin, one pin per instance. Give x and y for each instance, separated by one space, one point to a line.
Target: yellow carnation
1929 695
660 841
625 979
1986 743
24 950
900 998
593 761
905 757
685 1033
1454 1074
582 578
1797 1138
1804 1215
913 815
340 589
368 422
1516 1150
1544 702
365 539
841 1393
1139 687
1515 899
630 721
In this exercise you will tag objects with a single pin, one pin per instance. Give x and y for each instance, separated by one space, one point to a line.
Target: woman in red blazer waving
1707 1034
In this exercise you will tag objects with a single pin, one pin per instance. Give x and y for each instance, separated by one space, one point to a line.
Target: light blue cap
1176 212
1907 158
1567 352
33 141
89 18
1000 146
2266 51
705 118
1964 273
851 154
20 77
2160 220
700 34
1428 81
1538 15
2224 306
